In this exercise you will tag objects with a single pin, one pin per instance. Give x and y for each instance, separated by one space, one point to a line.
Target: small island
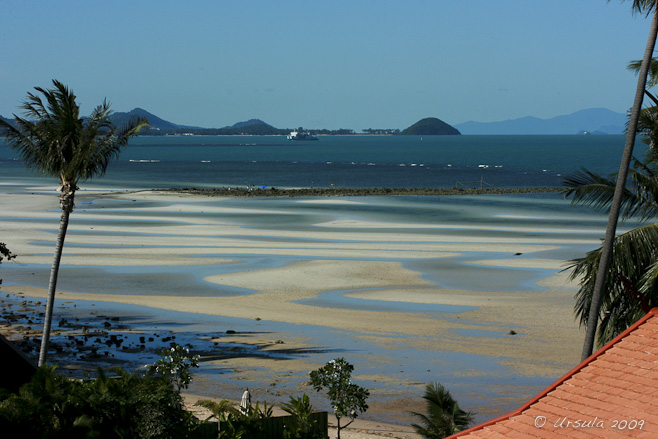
430 126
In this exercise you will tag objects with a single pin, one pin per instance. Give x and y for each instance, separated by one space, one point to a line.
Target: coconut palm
594 311
630 279
56 141
632 274
444 417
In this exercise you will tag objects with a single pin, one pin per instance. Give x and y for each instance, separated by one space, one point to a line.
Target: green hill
430 126
121 118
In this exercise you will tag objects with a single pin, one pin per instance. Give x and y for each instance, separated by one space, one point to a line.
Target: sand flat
356 258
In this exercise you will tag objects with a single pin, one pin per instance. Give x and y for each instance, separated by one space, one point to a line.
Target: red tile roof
612 394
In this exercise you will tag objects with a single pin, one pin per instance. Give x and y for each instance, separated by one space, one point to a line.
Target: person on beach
245 404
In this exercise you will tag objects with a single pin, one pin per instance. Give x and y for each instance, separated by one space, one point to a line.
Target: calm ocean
350 161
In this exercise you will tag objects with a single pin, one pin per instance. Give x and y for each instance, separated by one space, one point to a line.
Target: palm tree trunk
606 251
67 206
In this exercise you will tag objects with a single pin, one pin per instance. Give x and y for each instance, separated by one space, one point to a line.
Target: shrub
125 405
175 365
234 423
302 425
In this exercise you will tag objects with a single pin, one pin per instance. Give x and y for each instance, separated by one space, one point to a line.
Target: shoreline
24 309
258 264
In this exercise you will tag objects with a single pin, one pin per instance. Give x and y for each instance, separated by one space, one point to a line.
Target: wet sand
329 284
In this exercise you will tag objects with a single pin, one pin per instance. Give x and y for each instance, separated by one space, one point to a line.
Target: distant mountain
253 127
590 121
248 123
9 121
593 120
430 126
160 126
120 118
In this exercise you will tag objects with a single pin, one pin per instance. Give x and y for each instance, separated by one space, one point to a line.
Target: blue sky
331 64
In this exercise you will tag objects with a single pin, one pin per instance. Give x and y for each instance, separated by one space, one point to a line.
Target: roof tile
612 394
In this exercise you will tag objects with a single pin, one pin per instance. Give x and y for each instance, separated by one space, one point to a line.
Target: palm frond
56 141
589 189
647 124
644 204
640 196
642 6
218 408
634 254
652 80
595 191
444 416
130 129
649 283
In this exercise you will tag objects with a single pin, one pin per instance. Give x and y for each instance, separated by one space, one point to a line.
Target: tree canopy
347 398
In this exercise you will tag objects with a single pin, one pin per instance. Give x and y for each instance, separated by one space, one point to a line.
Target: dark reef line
356 192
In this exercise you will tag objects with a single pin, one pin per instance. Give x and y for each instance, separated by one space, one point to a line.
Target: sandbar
531 332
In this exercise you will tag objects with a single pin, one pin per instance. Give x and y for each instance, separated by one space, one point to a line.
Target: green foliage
381 131
56 140
347 399
234 423
220 410
635 257
40 407
443 417
224 411
125 405
634 253
231 430
250 421
175 365
302 424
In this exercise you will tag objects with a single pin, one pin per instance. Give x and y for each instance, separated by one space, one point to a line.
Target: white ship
301 135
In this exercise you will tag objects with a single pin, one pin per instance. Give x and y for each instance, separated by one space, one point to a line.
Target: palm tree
444 417
54 140
594 311
632 275
630 279
220 410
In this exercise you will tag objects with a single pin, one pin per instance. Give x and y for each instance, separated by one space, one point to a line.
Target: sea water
488 387
354 161
350 161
